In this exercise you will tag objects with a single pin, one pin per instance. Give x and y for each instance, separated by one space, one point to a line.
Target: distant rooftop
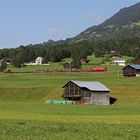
135 66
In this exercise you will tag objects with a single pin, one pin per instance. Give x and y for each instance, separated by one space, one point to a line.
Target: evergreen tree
76 59
3 65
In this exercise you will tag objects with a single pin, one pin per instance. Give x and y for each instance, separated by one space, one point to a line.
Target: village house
115 54
119 61
131 70
39 61
6 60
2 61
83 92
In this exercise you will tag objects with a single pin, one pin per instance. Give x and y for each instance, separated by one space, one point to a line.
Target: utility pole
118 75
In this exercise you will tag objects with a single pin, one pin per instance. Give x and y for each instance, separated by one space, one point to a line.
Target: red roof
98 69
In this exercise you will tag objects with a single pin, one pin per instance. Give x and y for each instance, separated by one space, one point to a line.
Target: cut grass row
68 110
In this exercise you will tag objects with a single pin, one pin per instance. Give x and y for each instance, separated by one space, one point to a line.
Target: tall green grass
44 130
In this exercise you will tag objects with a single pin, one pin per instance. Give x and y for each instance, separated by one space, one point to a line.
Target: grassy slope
41 87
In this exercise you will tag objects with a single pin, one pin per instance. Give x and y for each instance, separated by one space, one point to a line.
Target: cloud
93 15
90 15
54 30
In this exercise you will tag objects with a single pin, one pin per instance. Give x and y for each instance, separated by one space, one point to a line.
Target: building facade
39 61
131 70
120 62
83 92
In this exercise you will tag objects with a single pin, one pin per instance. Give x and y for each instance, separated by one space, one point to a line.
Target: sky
25 22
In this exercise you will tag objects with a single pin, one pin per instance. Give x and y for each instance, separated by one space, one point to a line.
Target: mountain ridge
126 19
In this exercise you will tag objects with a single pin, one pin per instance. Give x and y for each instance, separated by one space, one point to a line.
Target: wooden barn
131 70
83 92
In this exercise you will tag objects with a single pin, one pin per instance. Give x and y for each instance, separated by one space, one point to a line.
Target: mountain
125 23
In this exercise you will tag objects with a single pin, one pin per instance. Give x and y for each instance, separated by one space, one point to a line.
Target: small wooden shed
83 92
67 65
131 70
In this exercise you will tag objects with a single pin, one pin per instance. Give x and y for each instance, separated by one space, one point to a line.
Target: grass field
27 121
93 62
24 115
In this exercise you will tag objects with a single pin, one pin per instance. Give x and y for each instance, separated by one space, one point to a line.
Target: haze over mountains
125 23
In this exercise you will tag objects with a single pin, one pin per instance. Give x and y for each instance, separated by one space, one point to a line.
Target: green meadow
24 114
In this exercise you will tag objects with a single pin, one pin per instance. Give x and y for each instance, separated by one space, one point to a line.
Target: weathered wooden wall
101 98
72 90
129 71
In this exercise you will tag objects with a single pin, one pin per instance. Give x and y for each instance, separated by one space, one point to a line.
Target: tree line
76 50
50 53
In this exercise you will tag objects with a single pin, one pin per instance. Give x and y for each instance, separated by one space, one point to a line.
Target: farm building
2 61
6 60
132 70
67 65
83 92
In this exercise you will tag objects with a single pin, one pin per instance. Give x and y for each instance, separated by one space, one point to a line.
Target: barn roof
92 86
135 66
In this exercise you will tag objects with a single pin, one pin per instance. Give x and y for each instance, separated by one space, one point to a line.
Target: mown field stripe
13 115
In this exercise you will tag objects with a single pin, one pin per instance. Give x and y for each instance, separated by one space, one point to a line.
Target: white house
120 62
39 61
